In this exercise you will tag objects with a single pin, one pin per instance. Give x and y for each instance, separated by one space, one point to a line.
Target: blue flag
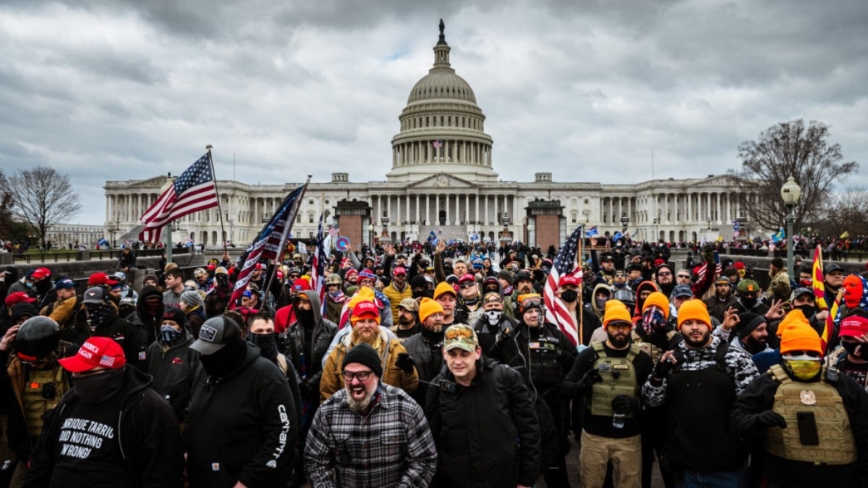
617 237
592 232
779 235
102 242
432 238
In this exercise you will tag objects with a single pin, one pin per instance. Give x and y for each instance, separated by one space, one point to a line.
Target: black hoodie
242 426
148 434
147 326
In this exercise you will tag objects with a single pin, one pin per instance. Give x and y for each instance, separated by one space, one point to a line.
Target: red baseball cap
399 270
96 351
98 279
365 309
466 278
853 326
40 273
18 297
568 280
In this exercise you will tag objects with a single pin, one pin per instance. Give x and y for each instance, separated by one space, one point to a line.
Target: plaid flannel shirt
391 447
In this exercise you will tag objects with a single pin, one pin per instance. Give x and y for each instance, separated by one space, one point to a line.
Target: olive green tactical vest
619 378
837 445
35 404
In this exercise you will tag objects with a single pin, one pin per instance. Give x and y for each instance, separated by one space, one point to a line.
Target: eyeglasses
467 285
294 276
360 375
665 273
683 276
332 284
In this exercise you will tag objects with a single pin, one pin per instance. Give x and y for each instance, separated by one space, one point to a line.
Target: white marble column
437 209
477 207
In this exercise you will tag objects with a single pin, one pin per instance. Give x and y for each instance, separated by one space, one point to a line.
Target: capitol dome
442 128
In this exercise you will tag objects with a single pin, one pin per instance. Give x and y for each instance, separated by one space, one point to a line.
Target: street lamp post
790 194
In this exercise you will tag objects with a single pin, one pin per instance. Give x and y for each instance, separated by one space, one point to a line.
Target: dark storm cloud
116 90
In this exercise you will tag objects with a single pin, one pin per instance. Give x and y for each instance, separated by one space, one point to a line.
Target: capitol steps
448 232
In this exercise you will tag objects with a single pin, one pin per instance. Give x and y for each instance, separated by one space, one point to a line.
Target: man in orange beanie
698 382
607 377
782 411
655 334
426 347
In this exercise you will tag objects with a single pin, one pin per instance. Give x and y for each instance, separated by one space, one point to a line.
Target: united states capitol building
443 179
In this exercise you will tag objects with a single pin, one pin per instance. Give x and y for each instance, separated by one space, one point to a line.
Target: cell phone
808 435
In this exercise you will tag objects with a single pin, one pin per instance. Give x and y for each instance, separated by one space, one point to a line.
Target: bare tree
43 198
783 150
6 205
844 212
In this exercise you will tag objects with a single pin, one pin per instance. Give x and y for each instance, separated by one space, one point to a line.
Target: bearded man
377 424
398 366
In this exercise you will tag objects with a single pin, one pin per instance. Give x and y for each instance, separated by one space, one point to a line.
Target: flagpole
580 258
280 248
219 207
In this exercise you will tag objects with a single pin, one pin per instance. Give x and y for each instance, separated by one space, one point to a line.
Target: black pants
556 475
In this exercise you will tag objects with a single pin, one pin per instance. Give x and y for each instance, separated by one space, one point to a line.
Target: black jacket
426 349
172 369
148 433
147 326
760 397
487 434
241 426
323 332
523 348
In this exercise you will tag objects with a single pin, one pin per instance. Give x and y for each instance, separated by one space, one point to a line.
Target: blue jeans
712 479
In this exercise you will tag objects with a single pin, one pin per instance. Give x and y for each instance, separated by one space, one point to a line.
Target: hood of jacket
315 305
141 308
645 285
600 286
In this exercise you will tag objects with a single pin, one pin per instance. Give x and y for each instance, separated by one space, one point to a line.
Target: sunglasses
467 285
683 276
665 273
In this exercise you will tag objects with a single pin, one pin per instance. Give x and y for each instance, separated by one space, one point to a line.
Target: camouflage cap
409 304
460 336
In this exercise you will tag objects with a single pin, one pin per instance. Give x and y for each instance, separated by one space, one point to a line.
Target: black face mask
224 361
42 286
748 303
850 347
98 388
267 344
420 293
808 310
569 296
98 314
305 317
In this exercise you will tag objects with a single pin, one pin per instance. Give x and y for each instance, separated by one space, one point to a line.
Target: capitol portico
443 179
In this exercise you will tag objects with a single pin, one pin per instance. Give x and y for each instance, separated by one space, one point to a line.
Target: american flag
437 144
320 258
268 243
194 190
565 265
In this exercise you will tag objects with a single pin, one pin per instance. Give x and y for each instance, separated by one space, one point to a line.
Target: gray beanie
192 298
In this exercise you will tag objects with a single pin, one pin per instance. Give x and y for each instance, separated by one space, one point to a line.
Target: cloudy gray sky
116 90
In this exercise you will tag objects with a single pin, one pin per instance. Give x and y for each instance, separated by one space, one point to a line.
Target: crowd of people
436 365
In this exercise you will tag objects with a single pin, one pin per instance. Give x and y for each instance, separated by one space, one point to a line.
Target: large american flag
270 240
320 259
565 265
194 190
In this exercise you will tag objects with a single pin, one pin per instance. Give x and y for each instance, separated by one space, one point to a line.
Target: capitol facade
443 179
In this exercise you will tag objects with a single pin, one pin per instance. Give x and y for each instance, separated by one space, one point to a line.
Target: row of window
445 121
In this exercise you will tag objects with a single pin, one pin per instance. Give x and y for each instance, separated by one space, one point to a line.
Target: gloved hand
624 404
662 369
771 419
304 388
588 380
405 362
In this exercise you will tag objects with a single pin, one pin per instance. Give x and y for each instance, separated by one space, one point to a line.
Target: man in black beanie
749 332
242 419
378 426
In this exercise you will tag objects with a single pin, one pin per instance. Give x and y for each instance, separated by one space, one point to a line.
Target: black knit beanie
747 323
366 355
